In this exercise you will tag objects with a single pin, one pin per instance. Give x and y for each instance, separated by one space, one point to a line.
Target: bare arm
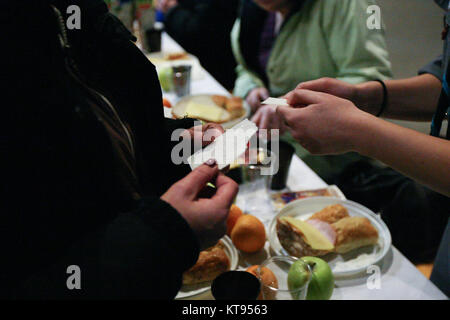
325 124
413 99
423 158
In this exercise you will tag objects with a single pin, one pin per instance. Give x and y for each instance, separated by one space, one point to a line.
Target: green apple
165 78
322 282
298 276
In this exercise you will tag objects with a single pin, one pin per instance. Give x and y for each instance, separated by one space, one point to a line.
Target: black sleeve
435 68
139 255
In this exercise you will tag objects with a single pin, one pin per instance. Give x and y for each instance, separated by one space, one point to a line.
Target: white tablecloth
400 279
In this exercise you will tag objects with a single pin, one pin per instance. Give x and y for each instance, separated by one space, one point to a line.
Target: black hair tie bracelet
385 98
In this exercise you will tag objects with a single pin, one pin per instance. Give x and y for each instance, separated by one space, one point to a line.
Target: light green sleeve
246 80
359 53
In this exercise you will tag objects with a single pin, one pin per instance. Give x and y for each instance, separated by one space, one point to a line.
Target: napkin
227 148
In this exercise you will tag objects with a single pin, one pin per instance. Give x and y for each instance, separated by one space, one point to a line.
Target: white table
400 279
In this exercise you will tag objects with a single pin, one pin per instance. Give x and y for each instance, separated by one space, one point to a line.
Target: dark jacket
62 202
203 27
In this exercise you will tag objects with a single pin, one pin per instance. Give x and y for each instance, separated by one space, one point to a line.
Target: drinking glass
280 266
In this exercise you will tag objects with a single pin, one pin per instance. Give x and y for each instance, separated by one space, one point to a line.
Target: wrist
362 132
369 96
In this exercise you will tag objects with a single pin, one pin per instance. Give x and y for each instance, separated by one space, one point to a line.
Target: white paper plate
178 110
193 290
351 262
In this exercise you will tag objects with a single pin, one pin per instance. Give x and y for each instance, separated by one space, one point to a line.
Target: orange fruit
166 103
267 277
248 234
234 214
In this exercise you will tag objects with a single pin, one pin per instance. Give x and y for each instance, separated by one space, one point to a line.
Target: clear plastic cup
280 265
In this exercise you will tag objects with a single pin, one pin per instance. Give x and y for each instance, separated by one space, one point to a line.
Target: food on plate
266 276
216 108
331 214
354 232
221 101
300 238
329 230
321 285
176 56
279 200
166 103
210 113
234 106
234 214
248 234
210 264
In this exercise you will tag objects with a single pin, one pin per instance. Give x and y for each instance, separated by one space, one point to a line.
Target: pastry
300 238
354 232
221 101
331 214
210 264
329 230
234 106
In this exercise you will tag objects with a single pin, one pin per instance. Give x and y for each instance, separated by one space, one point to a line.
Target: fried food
221 101
210 264
331 214
234 106
354 232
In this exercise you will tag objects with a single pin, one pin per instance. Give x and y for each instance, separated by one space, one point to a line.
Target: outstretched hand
320 122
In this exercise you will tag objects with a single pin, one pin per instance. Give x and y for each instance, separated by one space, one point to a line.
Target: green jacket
325 38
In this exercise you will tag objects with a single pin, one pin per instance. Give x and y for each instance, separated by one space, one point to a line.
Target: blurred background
413 30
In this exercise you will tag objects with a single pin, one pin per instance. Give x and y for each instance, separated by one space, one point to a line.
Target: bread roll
331 214
354 232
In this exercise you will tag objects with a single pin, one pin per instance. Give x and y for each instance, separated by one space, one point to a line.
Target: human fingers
227 190
196 181
302 97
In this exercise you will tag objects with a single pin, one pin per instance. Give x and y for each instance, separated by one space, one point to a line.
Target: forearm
423 158
412 99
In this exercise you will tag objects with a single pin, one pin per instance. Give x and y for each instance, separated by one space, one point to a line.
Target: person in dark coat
88 183
203 27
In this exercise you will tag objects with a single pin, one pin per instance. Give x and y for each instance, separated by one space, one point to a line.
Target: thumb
197 179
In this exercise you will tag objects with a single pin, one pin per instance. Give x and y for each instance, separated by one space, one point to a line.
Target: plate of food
347 235
227 111
211 263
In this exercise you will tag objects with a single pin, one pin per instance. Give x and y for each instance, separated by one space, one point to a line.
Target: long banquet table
400 279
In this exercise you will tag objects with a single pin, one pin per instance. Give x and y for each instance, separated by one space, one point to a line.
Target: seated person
202 27
279 43
329 116
88 177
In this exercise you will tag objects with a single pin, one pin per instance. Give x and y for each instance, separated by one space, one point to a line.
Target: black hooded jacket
63 202
203 27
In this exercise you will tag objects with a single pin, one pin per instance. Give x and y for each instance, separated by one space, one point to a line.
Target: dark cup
284 157
153 37
236 285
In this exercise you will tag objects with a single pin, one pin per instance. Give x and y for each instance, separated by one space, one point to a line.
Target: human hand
206 216
331 86
166 5
325 124
256 96
267 118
